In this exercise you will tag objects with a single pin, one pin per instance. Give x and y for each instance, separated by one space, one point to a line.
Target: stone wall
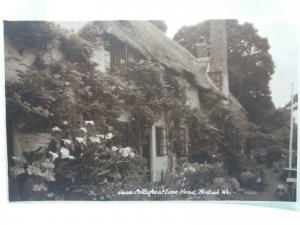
192 97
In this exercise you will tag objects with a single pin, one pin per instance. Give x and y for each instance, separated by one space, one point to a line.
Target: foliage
272 137
197 176
247 178
90 33
152 85
33 35
76 49
221 135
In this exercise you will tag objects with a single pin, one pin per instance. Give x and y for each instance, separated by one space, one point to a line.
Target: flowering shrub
90 158
32 180
44 169
87 166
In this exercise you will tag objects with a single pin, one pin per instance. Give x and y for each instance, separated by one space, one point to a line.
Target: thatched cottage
130 42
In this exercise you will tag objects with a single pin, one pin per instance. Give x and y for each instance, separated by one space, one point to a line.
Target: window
118 56
161 141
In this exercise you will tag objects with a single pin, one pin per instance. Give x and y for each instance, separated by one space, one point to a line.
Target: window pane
161 141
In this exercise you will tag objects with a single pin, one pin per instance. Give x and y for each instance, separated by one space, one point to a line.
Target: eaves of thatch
153 43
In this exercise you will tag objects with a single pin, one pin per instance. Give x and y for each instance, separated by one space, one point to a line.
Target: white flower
81 140
65 153
131 154
50 195
213 155
193 170
67 141
64 123
67 83
114 148
125 152
95 139
91 122
100 136
54 155
39 187
109 136
83 129
56 129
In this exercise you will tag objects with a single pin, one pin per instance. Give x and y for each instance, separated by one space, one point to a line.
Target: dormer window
202 48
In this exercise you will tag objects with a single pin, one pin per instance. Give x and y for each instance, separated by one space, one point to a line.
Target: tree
250 66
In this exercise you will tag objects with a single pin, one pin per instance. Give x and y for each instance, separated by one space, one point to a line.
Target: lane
272 180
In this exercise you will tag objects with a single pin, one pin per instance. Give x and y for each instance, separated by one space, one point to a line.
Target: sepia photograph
151 110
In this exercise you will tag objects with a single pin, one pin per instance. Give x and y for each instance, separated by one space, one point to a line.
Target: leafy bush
247 179
226 183
76 49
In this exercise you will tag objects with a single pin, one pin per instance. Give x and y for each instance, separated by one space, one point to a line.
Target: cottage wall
102 58
158 164
29 141
192 97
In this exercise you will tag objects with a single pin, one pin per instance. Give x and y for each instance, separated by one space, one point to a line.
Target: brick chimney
218 55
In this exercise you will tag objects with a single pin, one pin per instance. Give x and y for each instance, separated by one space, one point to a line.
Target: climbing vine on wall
224 136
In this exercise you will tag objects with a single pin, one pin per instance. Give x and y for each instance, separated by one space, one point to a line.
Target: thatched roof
153 43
